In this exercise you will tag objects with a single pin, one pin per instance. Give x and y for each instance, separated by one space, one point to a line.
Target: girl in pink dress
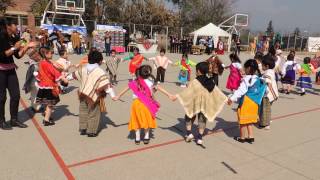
235 76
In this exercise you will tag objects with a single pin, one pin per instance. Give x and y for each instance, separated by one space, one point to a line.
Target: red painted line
51 147
172 142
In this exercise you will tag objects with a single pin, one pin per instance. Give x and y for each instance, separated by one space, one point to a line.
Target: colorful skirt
289 78
141 117
46 97
183 77
304 82
248 112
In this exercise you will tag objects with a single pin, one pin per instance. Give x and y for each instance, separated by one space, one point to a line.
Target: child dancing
161 62
185 65
272 93
144 107
250 93
136 60
202 99
48 82
63 65
94 85
235 76
112 66
30 83
289 73
304 81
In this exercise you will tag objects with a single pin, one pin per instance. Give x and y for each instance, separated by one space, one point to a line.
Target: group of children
254 87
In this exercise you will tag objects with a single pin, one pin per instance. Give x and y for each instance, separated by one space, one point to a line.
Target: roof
211 30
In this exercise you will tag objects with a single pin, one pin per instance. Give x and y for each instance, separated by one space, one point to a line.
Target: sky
285 14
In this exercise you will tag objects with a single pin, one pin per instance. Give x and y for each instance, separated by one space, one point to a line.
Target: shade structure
213 31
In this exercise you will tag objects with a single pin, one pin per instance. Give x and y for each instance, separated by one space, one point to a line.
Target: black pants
9 80
108 46
160 74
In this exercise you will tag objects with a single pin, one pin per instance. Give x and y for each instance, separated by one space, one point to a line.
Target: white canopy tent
213 31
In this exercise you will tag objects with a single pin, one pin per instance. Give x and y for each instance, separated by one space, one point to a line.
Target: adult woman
10 46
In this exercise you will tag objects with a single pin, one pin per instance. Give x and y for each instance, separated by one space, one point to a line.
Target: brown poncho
196 99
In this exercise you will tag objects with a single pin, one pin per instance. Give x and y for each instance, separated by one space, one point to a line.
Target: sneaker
199 142
189 138
267 128
183 85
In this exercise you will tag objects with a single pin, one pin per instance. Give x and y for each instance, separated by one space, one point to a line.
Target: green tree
38 7
270 29
4 4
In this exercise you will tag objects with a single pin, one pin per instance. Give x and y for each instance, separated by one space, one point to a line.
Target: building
22 12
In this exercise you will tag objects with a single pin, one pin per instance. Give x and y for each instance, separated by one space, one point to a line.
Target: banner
65 28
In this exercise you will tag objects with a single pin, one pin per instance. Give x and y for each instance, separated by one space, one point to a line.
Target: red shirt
48 75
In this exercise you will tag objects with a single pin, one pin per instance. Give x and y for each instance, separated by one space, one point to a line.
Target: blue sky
285 14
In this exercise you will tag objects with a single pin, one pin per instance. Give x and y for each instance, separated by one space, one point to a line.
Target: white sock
138 135
146 136
303 90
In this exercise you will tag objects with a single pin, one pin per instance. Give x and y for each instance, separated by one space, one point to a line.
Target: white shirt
244 86
237 65
149 84
288 63
270 78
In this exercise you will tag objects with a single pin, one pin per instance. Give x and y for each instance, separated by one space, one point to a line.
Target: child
289 74
272 93
48 79
30 83
234 78
202 98
185 65
216 67
304 81
112 66
144 107
161 63
136 60
278 63
63 65
93 85
250 93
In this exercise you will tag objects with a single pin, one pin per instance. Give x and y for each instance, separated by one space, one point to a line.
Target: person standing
216 67
10 46
76 42
107 40
161 62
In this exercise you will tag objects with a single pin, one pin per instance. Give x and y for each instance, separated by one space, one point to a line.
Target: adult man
107 40
10 46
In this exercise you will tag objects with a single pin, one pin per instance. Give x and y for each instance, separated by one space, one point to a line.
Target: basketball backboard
70 5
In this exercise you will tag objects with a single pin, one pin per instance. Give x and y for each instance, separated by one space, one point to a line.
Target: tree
38 7
197 13
4 4
297 31
270 29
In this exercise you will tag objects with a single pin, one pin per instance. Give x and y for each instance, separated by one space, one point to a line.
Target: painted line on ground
49 144
108 157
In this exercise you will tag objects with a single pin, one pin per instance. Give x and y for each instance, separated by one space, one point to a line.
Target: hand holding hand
173 98
17 45
229 102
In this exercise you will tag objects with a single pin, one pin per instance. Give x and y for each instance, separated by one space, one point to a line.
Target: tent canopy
213 31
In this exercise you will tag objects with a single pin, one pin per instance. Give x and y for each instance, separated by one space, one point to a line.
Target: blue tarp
65 29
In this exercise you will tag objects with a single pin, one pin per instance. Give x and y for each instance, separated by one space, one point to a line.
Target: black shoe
44 115
5 126
15 123
83 132
92 135
146 141
303 93
137 142
48 123
250 140
239 139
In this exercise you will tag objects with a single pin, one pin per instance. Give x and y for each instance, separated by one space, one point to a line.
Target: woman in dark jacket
10 46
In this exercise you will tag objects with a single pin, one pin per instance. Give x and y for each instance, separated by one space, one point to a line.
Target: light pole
302 38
